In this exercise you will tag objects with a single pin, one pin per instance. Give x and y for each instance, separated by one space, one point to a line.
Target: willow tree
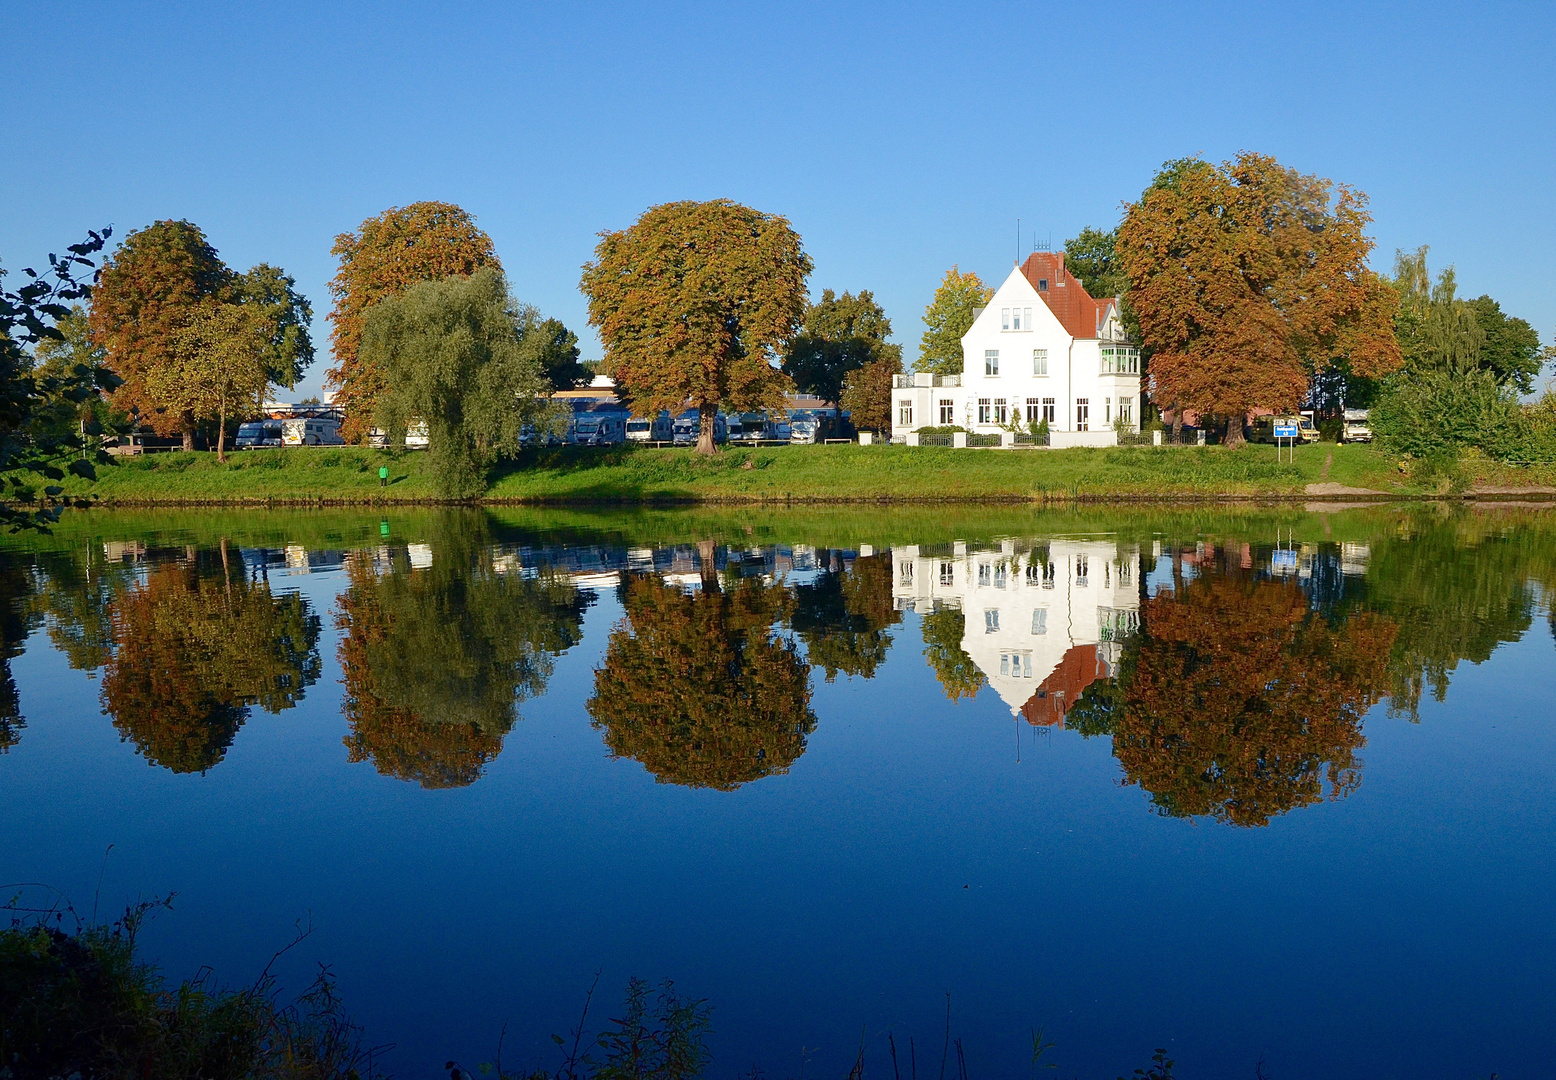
1248 278
695 302
385 256
462 357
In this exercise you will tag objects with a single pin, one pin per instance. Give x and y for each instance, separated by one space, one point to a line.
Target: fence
974 439
1026 438
945 439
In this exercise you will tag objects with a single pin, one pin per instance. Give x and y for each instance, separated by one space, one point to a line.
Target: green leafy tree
32 444
840 335
695 302
698 687
943 631
460 355
558 356
272 293
1511 349
387 254
1092 257
217 367
867 394
950 315
71 361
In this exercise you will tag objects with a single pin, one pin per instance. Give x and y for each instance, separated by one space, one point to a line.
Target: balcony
913 379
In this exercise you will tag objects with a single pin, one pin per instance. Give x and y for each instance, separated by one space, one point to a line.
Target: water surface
1244 785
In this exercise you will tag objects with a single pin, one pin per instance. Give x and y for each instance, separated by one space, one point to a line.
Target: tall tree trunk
1234 431
1177 425
707 414
707 565
221 433
188 439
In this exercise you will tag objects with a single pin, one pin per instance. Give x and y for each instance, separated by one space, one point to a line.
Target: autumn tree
843 617
698 688
695 303
436 661
194 649
463 357
149 290
867 394
217 366
839 336
943 631
386 255
950 315
1242 702
1246 279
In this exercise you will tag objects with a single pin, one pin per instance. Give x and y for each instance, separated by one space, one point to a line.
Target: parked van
1263 428
310 431
258 433
754 427
688 426
415 436
1356 428
597 429
660 429
811 426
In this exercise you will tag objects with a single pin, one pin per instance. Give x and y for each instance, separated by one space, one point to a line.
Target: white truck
1355 428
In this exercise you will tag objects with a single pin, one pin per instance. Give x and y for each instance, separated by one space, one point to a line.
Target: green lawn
778 474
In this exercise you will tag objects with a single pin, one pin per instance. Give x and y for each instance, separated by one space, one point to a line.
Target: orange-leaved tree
1247 278
1242 702
695 302
150 289
386 255
698 687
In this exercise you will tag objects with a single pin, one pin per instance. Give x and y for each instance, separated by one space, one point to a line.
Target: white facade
1024 364
1029 611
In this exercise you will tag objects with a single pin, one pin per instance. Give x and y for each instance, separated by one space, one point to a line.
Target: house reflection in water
1043 621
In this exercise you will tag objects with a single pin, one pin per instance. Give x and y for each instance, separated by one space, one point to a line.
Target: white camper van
311 431
642 429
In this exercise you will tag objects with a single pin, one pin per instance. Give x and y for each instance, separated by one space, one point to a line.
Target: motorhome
311 431
597 428
1262 430
1356 427
416 437
688 427
258 433
755 427
660 429
812 426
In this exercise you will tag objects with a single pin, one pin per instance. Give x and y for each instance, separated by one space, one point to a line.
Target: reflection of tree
1241 703
943 631
842 618
699 689
437 660
193 652
1455 596
76 594
15 588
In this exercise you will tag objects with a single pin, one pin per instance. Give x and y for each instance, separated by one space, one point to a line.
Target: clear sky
899 139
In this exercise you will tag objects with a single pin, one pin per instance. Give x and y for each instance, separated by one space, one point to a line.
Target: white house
1042 621
1043 349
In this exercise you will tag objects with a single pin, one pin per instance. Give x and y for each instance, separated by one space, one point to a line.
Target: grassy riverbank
841 473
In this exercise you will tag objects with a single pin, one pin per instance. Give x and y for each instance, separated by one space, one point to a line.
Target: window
991 621
947 411
947 573
1001 411
1039 361
1005 318
1034 410
1120 360
905 572
991 361
1001 575
1126 410
1026 318
1042 284
1082 413
1123 574
1107 575
1082 566
905 413
1107 410
1050 411
1017 665
1034 572
983 410
1005 665
985 573
1040 621
1048 576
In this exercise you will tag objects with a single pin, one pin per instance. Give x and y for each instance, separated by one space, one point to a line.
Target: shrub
1432 414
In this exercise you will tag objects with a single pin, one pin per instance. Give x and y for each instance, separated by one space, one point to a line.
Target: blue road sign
1286 431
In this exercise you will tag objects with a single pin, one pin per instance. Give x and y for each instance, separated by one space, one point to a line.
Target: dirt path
1328 461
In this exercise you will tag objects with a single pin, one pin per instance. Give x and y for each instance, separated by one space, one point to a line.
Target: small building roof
1074 307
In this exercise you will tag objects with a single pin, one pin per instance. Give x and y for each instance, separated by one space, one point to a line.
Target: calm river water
1246 785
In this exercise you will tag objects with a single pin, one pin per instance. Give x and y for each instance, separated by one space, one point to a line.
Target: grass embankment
841 473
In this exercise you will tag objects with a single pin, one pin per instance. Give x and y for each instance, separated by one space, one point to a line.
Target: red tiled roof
1079 314
1080 668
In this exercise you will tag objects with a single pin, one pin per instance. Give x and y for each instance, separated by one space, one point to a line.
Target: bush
1437 414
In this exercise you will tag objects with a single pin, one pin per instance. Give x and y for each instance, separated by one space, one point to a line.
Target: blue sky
899 139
